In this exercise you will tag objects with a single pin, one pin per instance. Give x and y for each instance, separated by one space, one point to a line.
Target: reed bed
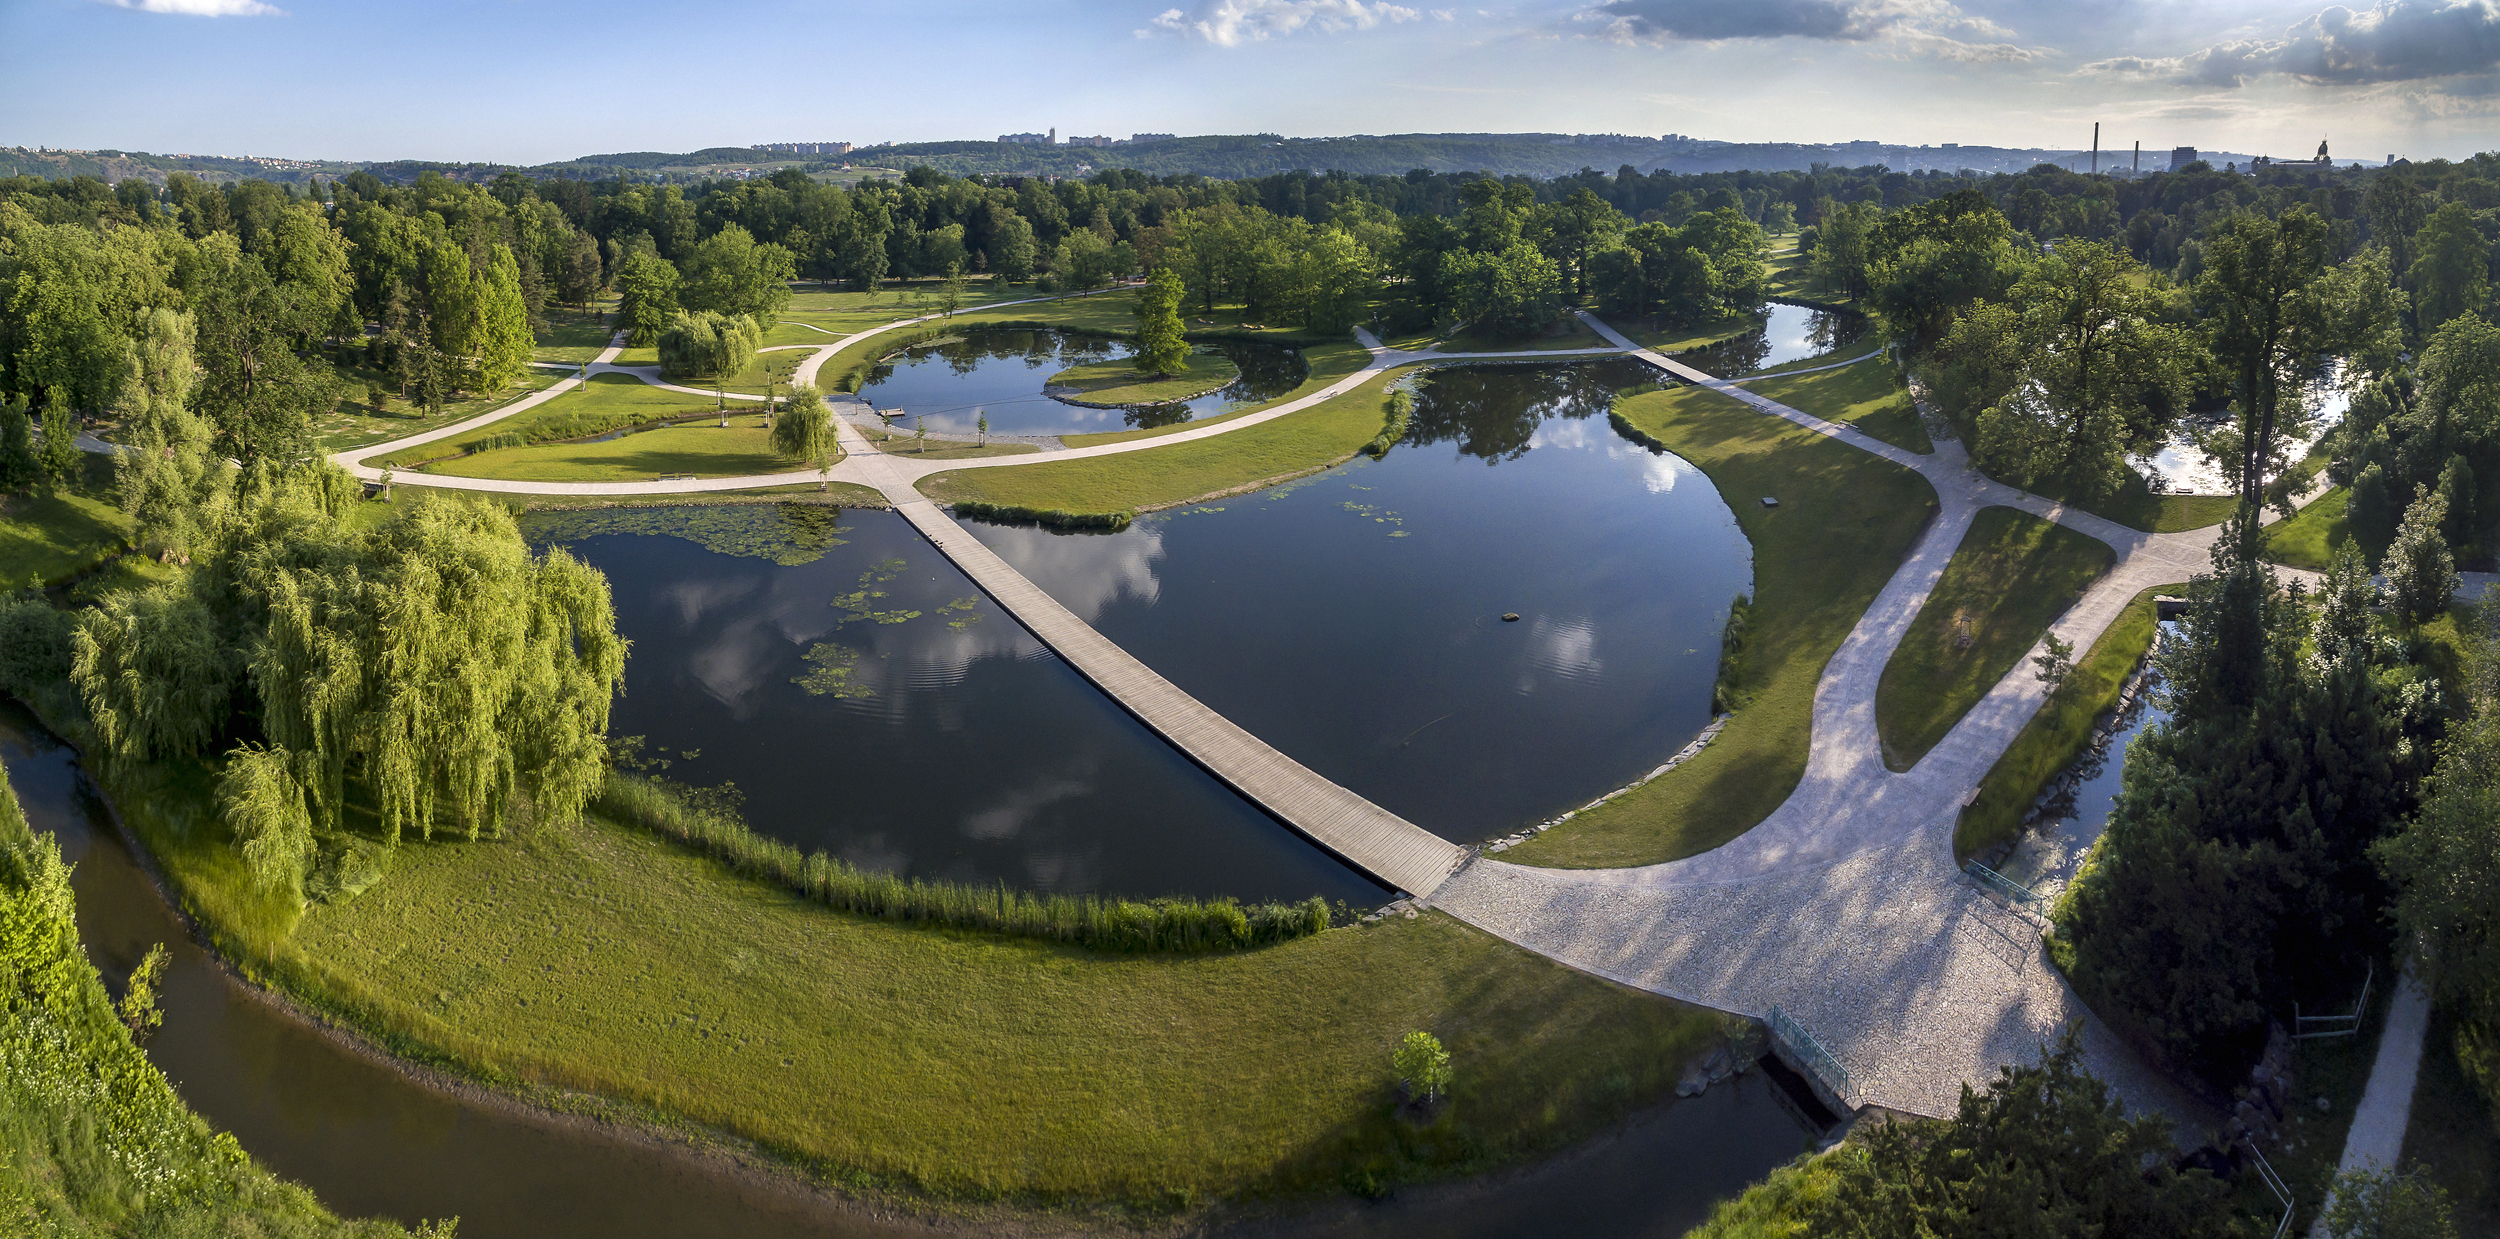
1160 926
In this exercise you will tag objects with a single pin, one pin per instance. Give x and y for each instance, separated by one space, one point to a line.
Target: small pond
998 372
1353 619
1789 333
370 1141
2183 468
945 741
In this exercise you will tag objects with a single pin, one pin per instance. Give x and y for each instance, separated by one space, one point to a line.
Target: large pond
370 1141
933 736
1789 333
1354 619
956 380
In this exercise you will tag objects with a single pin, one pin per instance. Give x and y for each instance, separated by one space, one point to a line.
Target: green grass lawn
2013 575
608 402
900 441
1568 333
596 958
2311 539
1313 438
353 423
1862 395
1120 382
2056 736
703 449
2137 507
576 335
1328 363
1844 522
57 532
839 494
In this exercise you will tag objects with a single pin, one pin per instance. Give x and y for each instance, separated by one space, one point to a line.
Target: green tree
730 274
137 1008
707 344
258 394
2275 307
18 466
1422 1065
154 670
61 457
501 338
170 481
2446 865
646 289
1928 261
2046 1152
2101 378
1516 292
1160 349
2377 1203
266 807
2421 572
2371 512
2451 273
804 431
1332 281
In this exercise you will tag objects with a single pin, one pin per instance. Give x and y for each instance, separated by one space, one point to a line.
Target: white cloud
2393 41
202 8
1911 26
1231 23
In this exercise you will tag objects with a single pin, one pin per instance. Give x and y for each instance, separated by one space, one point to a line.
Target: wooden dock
1394 851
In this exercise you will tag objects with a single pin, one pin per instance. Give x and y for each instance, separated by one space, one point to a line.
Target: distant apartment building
1104 140
804 148
1032 139
2181 157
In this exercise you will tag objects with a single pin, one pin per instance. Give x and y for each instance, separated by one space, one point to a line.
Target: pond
370 1141
1789 333
1354 619
2182 467
999 372
941 739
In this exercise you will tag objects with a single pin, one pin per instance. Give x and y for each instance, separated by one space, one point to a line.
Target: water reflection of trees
1825 330
1492 412
1267 370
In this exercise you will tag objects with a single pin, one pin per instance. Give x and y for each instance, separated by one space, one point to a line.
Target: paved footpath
1844 907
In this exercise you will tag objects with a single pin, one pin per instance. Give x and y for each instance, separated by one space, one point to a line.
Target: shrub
1400 410
34 644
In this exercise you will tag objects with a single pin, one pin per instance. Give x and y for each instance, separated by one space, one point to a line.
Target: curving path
1844 907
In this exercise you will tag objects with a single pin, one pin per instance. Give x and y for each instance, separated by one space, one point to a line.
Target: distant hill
1223 156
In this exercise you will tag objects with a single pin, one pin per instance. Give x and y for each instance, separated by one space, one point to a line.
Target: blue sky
526 81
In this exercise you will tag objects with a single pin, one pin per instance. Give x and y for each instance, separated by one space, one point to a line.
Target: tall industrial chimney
2096 148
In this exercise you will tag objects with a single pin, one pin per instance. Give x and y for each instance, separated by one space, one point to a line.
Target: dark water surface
1789 333
965 751
365 1138
1000 371
1353 619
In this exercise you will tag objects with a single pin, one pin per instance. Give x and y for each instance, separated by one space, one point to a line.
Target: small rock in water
1510 617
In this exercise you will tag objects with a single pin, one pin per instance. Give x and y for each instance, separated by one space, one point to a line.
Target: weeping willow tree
155 671
438 664
804 431
708 344
169 478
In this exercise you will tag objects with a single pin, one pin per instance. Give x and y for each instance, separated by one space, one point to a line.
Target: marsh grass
1181 926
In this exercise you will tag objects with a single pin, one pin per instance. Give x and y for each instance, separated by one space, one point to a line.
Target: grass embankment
2011 577
353 423
835 494
1120 382
2312 538
57 532
600 958
1680 338
1567 333
1328 363
2057 735
1313 438
608 402
1844 523
98 1142
1863 395
702 448
899 441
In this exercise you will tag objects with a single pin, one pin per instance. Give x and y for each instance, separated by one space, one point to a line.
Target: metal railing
2013 891
1810 1054
2265 1172
2305 1027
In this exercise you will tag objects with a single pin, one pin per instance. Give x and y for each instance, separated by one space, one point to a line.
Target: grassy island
1119 383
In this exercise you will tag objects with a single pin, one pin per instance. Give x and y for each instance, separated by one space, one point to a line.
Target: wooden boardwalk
1394 851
